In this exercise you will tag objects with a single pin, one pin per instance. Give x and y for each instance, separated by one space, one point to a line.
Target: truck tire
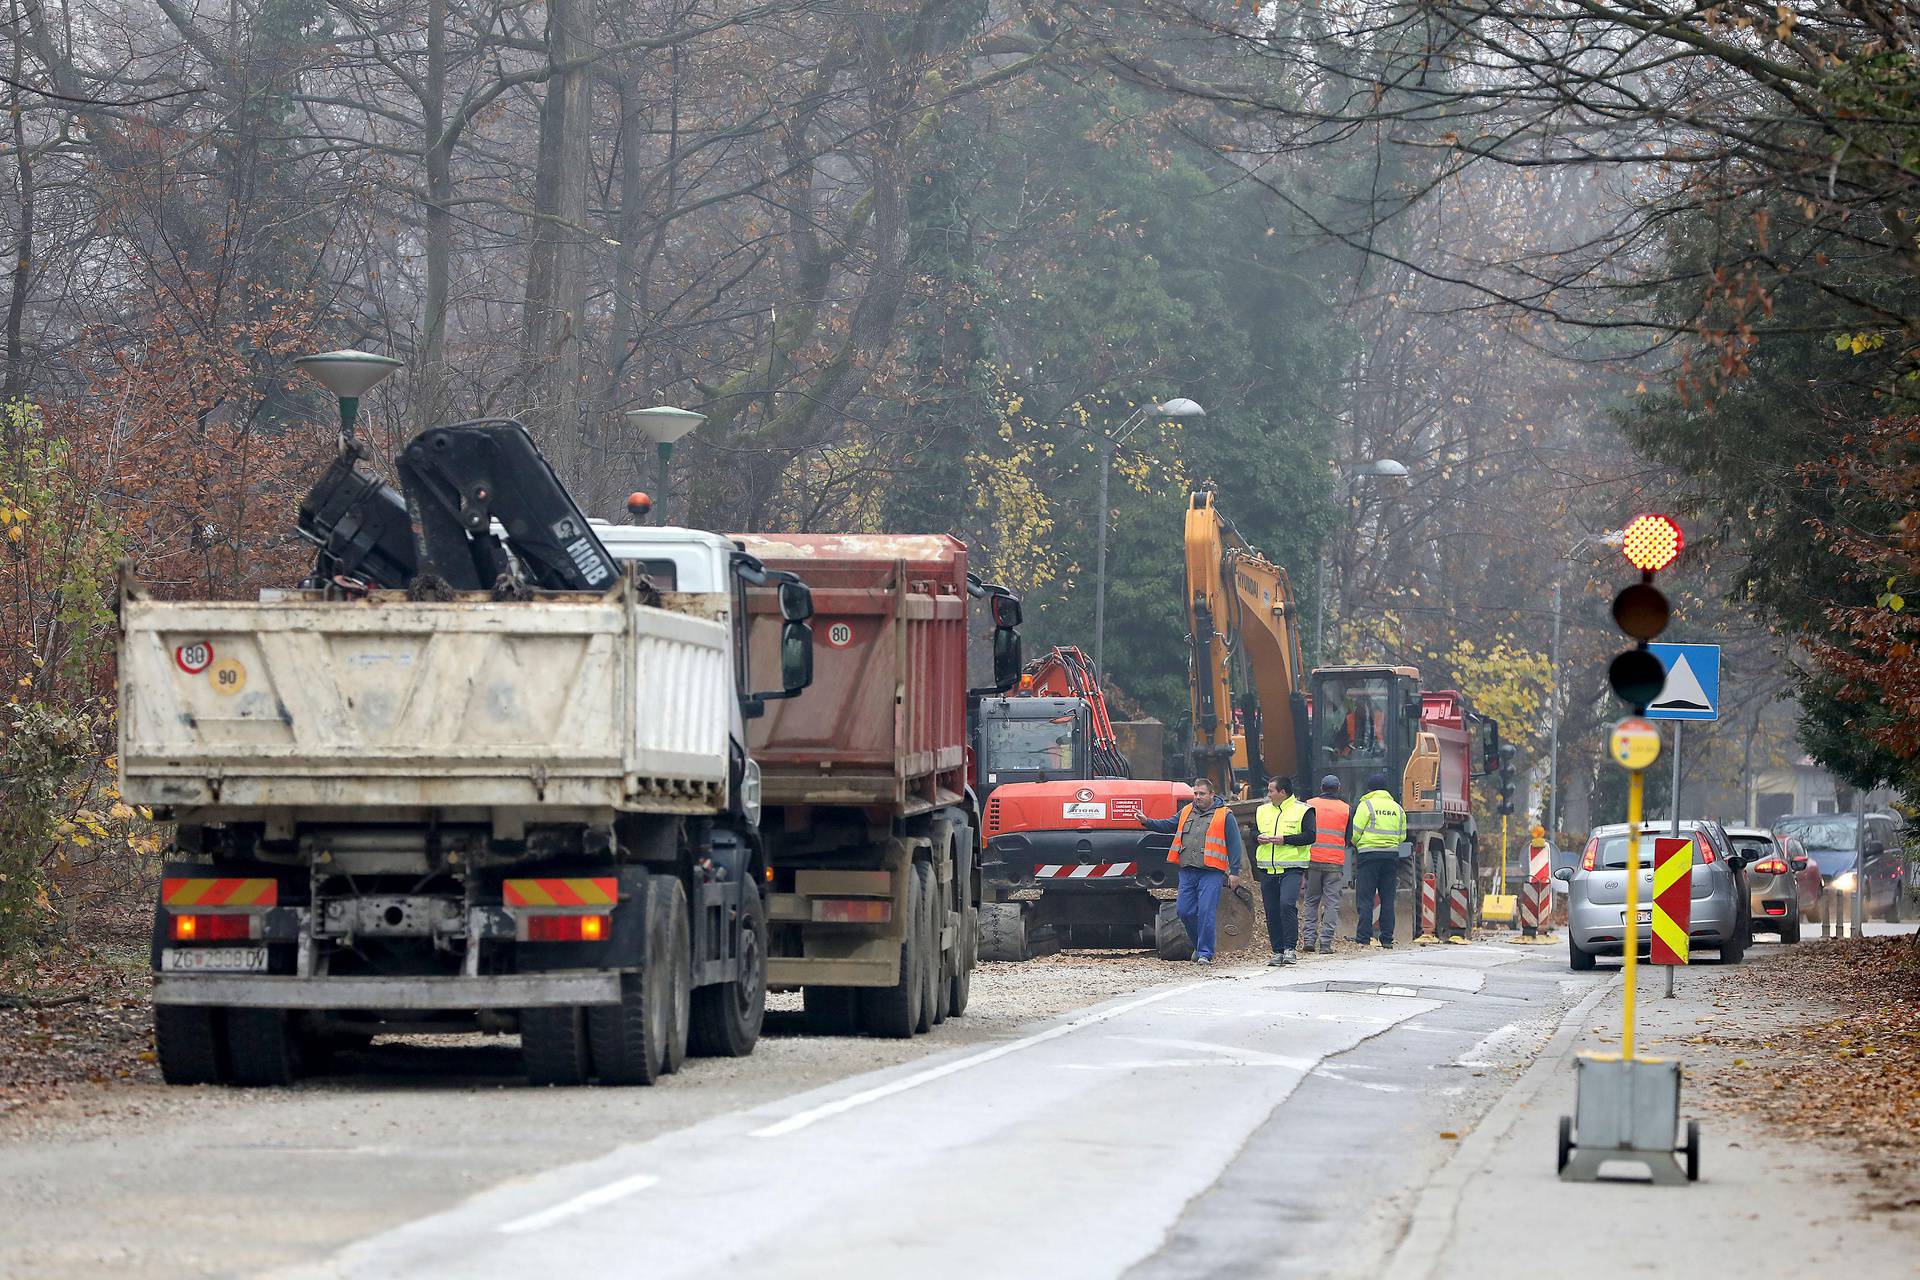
966 943
553 1045
1003 931
262 1050
894 1012
830 1011
1170 938
727 1016
187 1041
633 1041
937 990
966 950
929 950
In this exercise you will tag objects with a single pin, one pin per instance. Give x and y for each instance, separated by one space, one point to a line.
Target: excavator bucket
1235 928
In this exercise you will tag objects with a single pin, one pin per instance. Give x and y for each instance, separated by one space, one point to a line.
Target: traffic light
1651 543
1506 778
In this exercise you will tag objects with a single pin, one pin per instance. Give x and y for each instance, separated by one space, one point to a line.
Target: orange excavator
1064 861
1256 717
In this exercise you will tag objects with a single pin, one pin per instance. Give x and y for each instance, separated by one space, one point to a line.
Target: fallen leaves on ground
1843 1061
80 1017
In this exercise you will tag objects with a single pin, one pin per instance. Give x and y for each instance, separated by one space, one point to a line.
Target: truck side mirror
796 652
1006 611
796 602
1007 655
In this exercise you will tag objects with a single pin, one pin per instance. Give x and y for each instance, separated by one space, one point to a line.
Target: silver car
1597 894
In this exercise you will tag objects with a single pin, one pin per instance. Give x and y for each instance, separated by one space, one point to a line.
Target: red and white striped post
1539 886
1429 908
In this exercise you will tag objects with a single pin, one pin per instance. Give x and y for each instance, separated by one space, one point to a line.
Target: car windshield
1044 745
1821 835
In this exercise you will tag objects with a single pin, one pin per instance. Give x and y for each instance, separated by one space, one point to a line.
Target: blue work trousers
1197 904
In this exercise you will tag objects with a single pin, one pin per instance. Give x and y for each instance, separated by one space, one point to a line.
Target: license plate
1645 917
213 960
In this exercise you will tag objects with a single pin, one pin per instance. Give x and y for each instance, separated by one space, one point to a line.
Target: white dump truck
515 795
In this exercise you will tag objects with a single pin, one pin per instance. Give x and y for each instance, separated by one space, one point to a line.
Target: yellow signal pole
1635 795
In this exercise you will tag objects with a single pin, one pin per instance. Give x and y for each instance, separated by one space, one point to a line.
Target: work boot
1288 957
1203 959
1386 946
1277 961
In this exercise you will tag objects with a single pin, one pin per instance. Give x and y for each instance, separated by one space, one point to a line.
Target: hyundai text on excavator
1063 823
1255 718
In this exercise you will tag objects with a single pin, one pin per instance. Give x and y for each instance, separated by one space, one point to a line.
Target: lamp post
664 424
1611 538
1377 469
349 374
1178 407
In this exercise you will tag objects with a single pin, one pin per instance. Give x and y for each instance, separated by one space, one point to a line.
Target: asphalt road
1278 1120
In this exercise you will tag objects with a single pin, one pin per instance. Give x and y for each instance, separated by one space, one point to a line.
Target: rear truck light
571 927
1775 908
1770 867
852 911
213 927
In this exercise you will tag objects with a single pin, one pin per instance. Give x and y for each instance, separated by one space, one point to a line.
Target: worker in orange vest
1206 844
1326 867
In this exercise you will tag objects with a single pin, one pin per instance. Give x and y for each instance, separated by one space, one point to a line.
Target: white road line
840 1106
617 1190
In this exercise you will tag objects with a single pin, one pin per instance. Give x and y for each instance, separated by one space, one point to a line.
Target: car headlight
1844 882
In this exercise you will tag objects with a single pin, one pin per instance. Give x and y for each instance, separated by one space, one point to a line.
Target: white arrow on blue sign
1692 691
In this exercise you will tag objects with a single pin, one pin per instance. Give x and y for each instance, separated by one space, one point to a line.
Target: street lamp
664 425
1377 469
1611 538
349 374
1178 407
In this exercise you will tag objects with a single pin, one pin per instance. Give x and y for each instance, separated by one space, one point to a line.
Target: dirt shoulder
1826 1036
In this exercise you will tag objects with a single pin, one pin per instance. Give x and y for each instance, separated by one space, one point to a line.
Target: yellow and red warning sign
219 891
562 891
1672 899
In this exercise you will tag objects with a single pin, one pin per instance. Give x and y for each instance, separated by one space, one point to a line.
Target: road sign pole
1636 792
1678 725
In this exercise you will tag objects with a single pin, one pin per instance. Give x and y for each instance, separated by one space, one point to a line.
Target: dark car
1831 840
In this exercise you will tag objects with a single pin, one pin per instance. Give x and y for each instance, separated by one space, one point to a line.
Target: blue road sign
1692 690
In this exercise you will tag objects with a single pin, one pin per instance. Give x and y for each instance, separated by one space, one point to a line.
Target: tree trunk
556 263
431 396
15 385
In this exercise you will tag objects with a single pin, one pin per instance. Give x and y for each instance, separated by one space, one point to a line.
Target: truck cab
1365 720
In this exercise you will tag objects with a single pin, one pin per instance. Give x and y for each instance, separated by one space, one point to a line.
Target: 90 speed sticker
194 658
228 676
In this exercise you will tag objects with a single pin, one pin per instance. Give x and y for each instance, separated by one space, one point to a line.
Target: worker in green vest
1285 829
1378 831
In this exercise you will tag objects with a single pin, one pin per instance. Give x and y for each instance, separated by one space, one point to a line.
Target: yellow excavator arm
1243 657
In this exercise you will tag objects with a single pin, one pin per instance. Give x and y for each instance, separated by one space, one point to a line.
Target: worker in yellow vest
1206 844
1379 829
1281 854
1326 866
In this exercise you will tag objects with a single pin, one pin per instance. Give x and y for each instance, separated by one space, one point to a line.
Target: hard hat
1330 783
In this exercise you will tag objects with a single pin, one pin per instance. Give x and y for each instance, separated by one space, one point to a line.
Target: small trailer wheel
1692 1150
1566 1143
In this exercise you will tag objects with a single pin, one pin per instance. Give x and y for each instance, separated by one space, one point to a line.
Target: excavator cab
1029 739
1365 720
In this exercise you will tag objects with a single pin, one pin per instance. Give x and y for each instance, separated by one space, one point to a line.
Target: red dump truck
869 826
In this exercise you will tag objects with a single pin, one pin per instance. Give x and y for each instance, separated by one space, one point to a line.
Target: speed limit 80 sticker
840 635
194 658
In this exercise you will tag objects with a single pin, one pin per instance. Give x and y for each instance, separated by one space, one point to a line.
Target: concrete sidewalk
1765 1204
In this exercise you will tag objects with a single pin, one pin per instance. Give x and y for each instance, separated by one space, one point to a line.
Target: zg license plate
1645 917
213 960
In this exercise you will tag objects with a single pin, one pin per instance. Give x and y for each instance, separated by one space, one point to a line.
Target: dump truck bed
884 723
564 701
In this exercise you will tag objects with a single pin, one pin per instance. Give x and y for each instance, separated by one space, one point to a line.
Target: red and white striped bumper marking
1085 870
